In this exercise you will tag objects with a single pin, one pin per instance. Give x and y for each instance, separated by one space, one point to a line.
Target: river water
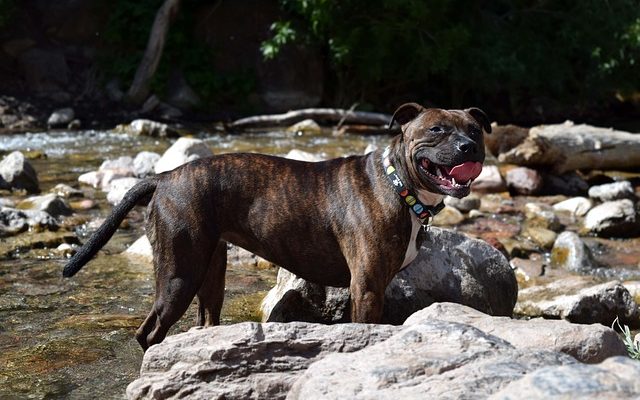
74 338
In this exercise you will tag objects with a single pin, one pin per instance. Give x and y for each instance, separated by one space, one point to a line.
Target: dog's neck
422 203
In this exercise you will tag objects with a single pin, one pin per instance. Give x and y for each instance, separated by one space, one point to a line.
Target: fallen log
567 147
325 116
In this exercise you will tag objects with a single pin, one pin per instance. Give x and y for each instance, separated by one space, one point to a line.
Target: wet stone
51 203
524 181
541 236
613 219
519 247
612 191
542 216
578 206
448 216
145 127
465 204
571 253
66 191
307 126
17 173
18 245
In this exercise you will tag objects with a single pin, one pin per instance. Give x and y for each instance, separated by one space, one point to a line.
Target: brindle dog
349 222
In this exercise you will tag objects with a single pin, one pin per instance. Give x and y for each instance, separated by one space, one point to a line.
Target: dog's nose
466 147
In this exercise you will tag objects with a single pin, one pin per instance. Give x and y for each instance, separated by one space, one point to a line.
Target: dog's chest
415 241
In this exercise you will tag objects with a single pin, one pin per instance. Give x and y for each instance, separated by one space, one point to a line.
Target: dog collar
422 211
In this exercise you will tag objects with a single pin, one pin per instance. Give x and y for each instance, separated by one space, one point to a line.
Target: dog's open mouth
457 177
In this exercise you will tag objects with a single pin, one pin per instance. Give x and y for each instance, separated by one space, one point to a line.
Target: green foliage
282 34
633 348
457 52
126 38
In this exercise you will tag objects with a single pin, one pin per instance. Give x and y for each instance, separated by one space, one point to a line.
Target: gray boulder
612 191
123 164
61 118
427 360
571 253
580 300
110 170
17 173
429 357
449 267
118 188
586 343
242 361
144 163
181 152
295 299
613 219
616 378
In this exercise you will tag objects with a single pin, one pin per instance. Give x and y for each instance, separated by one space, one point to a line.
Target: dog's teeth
453 180
439 172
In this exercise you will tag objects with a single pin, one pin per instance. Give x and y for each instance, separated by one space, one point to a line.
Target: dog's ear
481 117
406 113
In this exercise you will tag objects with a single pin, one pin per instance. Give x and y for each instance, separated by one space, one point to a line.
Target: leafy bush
456 52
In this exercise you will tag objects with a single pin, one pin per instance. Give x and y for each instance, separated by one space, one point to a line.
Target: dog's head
444 149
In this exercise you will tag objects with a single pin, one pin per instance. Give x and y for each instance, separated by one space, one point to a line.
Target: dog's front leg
367 296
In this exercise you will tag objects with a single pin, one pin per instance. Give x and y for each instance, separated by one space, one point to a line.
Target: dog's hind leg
181 262
211 292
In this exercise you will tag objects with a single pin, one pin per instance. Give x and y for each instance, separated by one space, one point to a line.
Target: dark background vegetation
523 61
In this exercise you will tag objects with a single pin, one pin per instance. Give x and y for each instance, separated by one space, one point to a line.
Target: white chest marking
412 249
426 198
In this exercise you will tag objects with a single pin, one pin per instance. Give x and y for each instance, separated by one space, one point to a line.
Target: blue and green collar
422 211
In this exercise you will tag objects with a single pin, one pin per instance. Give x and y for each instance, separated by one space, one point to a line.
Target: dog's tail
135 195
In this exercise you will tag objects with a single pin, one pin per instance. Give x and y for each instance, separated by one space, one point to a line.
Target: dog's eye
474 132
436 129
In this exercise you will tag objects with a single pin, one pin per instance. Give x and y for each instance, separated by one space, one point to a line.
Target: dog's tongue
465 172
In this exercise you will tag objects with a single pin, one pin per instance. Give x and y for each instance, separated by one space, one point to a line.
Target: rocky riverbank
540 245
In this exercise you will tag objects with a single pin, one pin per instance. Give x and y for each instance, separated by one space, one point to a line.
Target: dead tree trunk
568 147
320 115
140 87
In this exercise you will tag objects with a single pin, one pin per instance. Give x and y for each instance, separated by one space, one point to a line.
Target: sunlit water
74 338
